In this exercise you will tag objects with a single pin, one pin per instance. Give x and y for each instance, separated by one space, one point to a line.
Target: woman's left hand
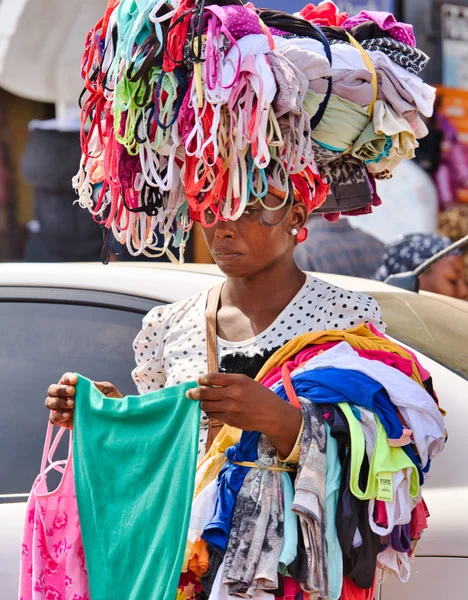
244 403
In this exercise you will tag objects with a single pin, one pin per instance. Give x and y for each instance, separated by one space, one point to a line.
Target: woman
265 302
234 135
445 277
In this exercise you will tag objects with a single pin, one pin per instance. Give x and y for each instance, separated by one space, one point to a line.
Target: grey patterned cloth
257 530
309 498
256 537
409 252
411 59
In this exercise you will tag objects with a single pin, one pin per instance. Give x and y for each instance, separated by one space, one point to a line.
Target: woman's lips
226 256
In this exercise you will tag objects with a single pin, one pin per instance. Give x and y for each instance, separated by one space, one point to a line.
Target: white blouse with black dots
171 347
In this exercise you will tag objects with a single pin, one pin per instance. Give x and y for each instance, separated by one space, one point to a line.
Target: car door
45 332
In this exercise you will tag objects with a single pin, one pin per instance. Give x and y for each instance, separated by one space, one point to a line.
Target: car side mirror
406 281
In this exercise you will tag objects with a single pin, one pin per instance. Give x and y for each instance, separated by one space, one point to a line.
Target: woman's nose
223 229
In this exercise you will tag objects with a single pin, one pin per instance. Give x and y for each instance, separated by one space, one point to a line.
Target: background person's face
447 277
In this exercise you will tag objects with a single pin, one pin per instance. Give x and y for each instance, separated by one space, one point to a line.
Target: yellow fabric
197 75
359 338
188 553
295 453
209 467
370 67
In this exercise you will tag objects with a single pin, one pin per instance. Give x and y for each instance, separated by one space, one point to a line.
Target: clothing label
385 492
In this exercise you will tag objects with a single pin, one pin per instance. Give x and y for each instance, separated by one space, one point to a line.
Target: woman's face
447 277
257 240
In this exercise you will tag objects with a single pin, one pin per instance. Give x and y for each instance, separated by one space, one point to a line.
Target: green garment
371 146
134 463
341 124
386 459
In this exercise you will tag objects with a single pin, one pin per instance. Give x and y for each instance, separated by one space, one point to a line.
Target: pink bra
52 558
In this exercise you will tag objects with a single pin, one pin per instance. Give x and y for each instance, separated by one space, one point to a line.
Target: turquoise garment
134 463
290 537
332 487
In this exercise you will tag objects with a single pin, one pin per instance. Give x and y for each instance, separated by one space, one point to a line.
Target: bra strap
51 446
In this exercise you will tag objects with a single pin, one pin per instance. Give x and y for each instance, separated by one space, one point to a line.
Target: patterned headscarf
409 252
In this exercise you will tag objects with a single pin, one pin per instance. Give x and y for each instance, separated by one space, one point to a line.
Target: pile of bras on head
205 105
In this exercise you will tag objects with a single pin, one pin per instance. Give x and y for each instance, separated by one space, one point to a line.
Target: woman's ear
298 216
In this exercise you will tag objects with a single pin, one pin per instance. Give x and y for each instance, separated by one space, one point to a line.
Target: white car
58 317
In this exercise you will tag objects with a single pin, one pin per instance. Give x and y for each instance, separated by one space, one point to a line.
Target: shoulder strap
212 303
50 446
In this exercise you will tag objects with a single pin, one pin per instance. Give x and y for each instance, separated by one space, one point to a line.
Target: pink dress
52 558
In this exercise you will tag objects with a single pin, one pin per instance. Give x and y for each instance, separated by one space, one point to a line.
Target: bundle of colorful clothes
345 509
192 110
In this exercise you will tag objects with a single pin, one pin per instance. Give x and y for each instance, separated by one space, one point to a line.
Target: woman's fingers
211 411
108 389
60 403
61 391
220 379
206 393
61 419
69 379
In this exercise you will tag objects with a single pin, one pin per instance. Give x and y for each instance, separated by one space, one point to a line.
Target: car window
39 342
434 325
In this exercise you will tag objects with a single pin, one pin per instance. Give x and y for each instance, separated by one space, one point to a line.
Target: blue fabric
290 538
230 480
332 386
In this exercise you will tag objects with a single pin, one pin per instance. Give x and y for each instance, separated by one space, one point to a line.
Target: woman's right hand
61 398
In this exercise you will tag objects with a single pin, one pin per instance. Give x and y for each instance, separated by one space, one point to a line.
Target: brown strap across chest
212 303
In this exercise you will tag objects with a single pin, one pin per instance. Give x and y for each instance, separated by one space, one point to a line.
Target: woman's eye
251 210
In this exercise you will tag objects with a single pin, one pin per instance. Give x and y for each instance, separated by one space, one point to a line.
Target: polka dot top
171 347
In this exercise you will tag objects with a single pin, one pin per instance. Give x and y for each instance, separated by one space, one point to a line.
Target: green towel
134 464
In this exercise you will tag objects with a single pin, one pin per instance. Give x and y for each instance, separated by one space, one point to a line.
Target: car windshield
436 326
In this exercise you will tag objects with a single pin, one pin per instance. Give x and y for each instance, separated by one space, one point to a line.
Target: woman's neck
269 291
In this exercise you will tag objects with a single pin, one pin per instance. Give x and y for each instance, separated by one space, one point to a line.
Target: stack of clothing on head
197 108
345 509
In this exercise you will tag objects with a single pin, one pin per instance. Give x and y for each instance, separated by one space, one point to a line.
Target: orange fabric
289 388
199 561
360 337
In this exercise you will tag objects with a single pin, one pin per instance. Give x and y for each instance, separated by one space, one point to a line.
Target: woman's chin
232 266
